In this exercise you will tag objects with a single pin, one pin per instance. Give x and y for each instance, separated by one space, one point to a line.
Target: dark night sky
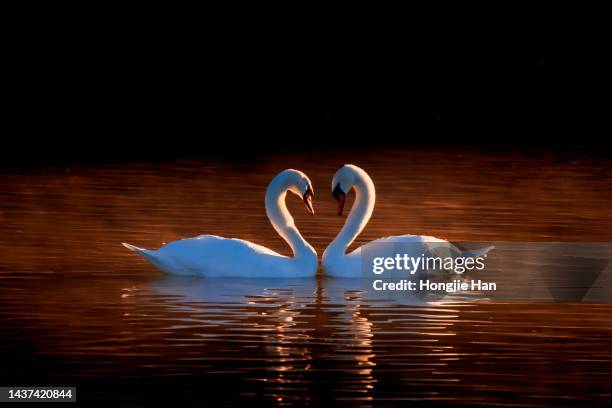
177 94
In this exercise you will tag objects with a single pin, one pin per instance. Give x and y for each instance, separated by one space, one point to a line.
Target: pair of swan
214 256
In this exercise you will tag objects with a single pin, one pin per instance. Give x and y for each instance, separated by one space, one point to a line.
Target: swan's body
335 260
213 256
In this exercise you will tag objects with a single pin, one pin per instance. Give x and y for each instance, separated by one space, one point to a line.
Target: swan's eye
338 191
308 199
309 190
340 196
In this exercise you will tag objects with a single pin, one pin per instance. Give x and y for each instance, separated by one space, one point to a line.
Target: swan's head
300 185
343 182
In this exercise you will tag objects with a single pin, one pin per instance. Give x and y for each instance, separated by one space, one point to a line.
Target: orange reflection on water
76 305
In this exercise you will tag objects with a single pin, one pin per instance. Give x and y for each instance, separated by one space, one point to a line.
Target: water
78 309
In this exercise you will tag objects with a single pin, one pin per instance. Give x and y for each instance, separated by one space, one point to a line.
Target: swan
339 264
214 256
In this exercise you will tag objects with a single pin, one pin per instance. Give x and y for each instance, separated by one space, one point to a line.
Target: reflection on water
77 308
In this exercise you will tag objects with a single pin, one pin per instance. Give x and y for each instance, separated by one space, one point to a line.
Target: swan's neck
360 214
283 223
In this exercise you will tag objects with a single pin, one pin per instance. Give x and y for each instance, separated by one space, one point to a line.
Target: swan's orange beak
308 195
340 196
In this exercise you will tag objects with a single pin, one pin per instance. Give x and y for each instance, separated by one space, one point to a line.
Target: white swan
213 256
335 260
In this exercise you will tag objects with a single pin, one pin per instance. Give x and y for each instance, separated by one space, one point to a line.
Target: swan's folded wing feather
211 255
259 249
406 239
233 243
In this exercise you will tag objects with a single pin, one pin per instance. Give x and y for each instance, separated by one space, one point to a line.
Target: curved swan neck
361 211
281 219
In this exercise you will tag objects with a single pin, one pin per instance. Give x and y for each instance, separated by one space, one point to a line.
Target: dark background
117 90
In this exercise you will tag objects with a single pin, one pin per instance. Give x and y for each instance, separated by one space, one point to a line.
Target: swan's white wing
432 245
236 243
211 255
414 243
358 262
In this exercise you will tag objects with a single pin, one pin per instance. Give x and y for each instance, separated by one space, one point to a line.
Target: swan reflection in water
295 332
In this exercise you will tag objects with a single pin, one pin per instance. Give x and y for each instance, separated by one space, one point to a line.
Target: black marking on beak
340 196
308 196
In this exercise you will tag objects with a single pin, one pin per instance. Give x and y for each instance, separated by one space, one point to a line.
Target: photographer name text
427 285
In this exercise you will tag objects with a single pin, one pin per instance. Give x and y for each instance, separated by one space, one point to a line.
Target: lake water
78 309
